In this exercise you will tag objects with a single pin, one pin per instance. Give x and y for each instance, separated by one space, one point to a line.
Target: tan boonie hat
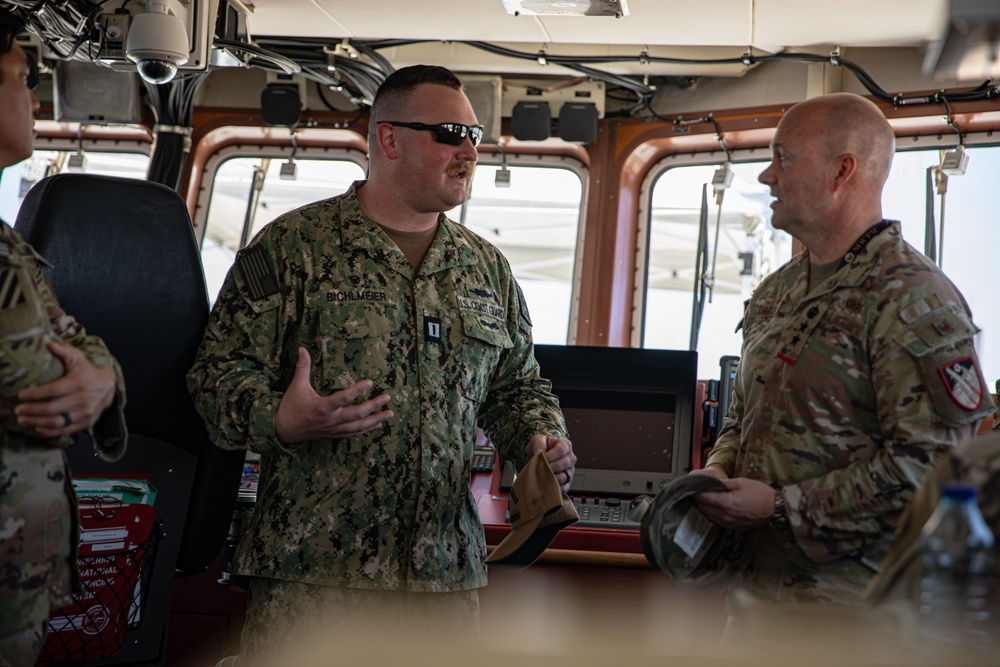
538 510
687 546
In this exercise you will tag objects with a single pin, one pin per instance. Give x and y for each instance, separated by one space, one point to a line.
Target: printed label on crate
115 540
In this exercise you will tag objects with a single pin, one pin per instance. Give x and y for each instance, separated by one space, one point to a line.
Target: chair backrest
126 265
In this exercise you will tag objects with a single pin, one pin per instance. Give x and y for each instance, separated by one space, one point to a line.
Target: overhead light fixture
969 48
616 8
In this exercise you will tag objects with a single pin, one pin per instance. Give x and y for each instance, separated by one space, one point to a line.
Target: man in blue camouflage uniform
857 373
55 381
336 313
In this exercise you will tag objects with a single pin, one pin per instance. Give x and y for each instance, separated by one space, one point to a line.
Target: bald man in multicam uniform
858 370
355 345
55 381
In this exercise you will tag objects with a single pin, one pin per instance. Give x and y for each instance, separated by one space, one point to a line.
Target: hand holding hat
685 545
538 510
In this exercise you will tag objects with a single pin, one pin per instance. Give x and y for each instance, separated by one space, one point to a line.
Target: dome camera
157 43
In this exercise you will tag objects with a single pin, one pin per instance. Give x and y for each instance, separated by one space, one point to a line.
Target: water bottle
956 551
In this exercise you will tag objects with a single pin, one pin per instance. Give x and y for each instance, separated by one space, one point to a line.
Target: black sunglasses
452 134
33 75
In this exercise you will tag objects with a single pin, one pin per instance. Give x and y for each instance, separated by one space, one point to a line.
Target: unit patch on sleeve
961 379
257 273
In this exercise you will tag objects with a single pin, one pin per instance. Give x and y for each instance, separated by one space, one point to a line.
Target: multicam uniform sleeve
519 403
727 445
236 378
921 414
109 433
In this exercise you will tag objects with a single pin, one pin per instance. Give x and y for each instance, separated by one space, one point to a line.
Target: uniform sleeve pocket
941 343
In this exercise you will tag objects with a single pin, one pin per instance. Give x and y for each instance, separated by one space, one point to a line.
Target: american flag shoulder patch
257 273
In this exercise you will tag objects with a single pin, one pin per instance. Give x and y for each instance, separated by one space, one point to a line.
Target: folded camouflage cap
687 546
538 510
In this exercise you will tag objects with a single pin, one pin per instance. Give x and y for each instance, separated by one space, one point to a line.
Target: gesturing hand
305 415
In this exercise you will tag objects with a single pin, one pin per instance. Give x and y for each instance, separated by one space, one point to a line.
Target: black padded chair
126 265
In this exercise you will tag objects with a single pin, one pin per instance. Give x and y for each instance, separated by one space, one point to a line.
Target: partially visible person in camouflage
355 345
55 381
857 371
976 462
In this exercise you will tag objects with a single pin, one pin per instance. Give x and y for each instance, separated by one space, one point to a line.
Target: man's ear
387 136
847 169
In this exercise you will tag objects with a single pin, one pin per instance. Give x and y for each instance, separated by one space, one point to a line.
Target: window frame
280 153
945 140
645 209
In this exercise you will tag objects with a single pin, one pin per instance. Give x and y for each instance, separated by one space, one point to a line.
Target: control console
611 512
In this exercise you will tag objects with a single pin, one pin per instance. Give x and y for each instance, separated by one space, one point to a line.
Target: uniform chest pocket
756 315
356 341
486 338
358 321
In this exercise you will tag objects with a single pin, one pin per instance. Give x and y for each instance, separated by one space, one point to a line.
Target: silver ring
566 472
67 419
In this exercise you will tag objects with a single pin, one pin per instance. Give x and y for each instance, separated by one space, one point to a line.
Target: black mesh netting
115 585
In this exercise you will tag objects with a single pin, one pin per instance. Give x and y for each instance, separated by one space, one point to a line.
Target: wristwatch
779 520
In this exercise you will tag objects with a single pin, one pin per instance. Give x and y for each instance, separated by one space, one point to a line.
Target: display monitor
630 414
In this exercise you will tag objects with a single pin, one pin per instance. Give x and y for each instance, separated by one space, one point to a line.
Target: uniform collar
449 248
854 271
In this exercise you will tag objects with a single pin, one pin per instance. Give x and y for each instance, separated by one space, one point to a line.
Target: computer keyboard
624 513
610 512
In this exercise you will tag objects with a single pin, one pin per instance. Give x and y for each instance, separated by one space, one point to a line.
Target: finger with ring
566 472
66 419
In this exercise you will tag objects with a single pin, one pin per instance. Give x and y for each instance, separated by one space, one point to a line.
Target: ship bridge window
16 180
248 192
532 214
959 230
738 247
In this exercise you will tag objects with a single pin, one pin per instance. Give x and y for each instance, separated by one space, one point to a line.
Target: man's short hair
10 27
398 86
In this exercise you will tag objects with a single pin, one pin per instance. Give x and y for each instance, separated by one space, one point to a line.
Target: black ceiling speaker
531 121
280 104
578 122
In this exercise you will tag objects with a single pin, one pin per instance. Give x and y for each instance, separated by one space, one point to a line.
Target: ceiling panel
848 22
766 24
693 29
667 22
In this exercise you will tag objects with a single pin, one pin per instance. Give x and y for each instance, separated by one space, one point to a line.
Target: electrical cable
718 135
951 121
